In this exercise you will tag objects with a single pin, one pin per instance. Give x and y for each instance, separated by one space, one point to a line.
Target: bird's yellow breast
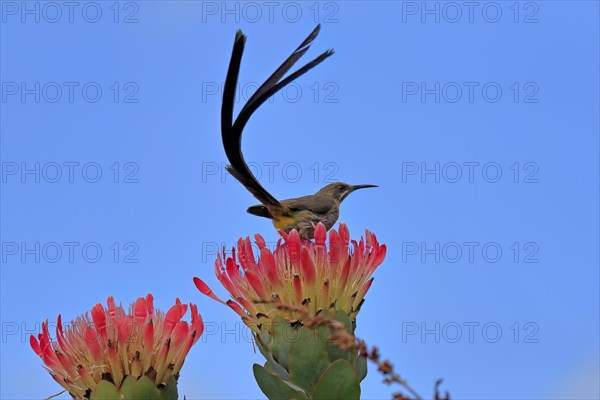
284 223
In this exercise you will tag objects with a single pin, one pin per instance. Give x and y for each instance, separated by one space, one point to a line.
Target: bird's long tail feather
231 132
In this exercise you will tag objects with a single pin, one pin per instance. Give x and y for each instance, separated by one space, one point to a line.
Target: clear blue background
176 213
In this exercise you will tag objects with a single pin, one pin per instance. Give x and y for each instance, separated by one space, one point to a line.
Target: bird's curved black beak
352 188
356 187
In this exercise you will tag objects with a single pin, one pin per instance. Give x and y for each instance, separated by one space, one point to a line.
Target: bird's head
341 190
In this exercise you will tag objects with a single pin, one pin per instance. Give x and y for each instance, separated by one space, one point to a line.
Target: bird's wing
231 132
315 204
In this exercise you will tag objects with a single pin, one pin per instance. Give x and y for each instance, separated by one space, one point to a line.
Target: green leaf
277 369
308 359
106 391
334 351
360 367
281 340
170 391
145 389
263 342
343 317
271 365
339 381
273 387
127 387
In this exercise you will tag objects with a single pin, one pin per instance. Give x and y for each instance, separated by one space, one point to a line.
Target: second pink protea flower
313 274
114 353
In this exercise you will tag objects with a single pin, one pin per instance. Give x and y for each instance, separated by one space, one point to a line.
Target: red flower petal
172 318
308 267
204 289
99 318
35 345
257 285
140 309
197 323
260 241
150 304
294 246
267 264
91 340
320 234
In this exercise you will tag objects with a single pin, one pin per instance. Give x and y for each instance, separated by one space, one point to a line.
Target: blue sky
479 123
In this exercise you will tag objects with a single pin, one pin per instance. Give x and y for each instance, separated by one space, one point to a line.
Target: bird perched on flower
282 296
300 213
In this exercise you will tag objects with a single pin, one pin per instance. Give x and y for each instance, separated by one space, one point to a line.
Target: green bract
302 362
143 389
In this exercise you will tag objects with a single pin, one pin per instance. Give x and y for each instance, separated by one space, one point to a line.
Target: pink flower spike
126 330
297 289
236 307
250 308
267 264
320 234
179 334
59 327
178 338
148 345
66 363
82 357
50 359
308 267
111 306
283 235
249 254
150 304
185 348
45 332
162 360
205 290
140 309
197 323
325 292
344 233
335 247
260 241
362 291
326 270
99 318
91 339
294 246
85 376
60 336
380 256
35 345
172 318
115 365
345 273
257 285
183 309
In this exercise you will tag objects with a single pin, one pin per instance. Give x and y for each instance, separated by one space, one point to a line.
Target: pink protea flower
113 345
298 272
